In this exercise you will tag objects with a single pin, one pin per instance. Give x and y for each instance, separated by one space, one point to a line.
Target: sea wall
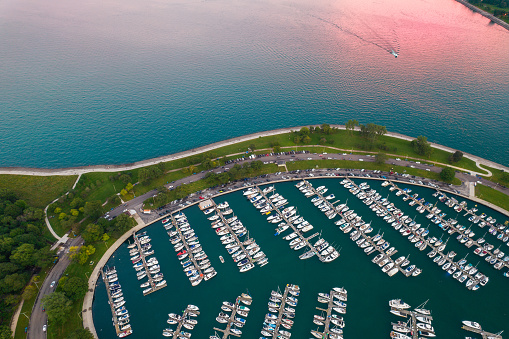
485 14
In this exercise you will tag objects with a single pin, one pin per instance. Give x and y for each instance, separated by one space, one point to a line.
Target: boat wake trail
375 39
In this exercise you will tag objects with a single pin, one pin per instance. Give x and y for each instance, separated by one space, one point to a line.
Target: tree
74 212
304 131
81 255
456 156
115 200
76 202
62 216
422 146
105 237
252 147
24 255
350 125
129 187
13 282
5 332
143 175
380 158
505 177
92 233
57 210
447 174
276 149
322 141
29 292
44 256
326 128
125 178
93 209
80 333
75 288
123 192
124 223
306 139
57 306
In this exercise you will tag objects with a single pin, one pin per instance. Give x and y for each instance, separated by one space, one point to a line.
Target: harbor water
117 81
369 290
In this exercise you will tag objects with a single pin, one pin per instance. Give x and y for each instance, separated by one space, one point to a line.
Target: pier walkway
330 305
484 334
146 267
189 252
112 304
226 223
231 321
290 223
413 323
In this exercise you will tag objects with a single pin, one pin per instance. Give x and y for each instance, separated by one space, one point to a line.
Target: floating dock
413 323
231 321
289 223
330 305
146 267
118 331
482 333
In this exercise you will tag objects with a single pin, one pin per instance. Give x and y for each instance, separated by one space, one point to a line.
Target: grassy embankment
492 195
37 191
495 10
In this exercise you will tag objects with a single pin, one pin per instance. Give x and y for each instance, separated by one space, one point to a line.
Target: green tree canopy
422 146
123 223
92 233
75 288
304 131
381 158
24 255
350 125
456 156
93 209
447 174
57 307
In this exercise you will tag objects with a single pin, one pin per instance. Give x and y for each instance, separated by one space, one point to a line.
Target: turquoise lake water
110 81
369 290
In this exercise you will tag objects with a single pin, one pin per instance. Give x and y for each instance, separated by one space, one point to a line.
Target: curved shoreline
88 321
485 14
143 163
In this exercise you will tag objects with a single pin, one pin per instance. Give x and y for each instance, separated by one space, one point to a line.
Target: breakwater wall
485 14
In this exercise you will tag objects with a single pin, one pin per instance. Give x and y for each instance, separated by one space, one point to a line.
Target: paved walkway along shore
207 148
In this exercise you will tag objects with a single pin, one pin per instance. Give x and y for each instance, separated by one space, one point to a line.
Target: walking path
15 317
207 148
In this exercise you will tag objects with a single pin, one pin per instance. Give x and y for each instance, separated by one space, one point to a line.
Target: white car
44 328
52 284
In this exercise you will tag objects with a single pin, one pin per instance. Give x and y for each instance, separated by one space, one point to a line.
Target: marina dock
450 228
357 224
328 311
110 300
186 246
482 333
413 322
280 313
292 226
180 323
143 256
231 321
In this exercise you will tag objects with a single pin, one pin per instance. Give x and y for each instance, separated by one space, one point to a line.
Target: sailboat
394 53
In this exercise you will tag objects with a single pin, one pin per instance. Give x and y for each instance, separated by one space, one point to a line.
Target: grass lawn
492 195
74 320
37 191
27 307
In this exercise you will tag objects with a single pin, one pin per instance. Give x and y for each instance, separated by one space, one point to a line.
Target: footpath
207 148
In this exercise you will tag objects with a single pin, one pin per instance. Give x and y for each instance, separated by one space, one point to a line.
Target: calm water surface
109 81
369 290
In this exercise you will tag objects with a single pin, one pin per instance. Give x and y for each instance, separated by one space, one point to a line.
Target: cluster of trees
237 172
152 172
422 146
371 132
304 134
23 251
447 174
455 157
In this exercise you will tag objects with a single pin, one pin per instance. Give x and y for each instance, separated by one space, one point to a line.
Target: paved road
464 177
39 318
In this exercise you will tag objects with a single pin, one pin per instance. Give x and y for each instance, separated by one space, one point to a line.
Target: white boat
472 324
